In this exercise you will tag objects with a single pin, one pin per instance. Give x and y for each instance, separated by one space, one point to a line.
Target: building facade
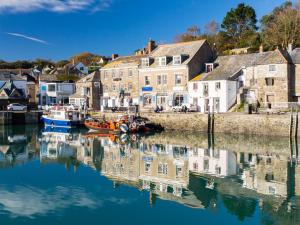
164 74
88 92
52 91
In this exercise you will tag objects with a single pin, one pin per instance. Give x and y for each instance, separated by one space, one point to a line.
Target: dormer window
177 60
162 61
145 62
209 67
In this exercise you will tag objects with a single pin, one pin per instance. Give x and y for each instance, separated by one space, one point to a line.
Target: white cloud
60 6
28 37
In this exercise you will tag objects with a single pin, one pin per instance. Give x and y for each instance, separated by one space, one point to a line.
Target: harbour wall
229 123
11 118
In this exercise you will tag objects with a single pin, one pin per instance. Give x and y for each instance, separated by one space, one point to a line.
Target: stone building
88 92
264 77
164 74
120 79
295 55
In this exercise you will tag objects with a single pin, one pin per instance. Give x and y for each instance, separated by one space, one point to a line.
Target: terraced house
164 74
120 79
265 77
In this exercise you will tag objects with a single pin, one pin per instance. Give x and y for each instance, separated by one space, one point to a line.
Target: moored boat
60 116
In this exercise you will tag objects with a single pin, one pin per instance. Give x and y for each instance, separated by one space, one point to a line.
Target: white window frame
208 65
274 66
159 79
145 80
161 60
145 62
164 79
177 60
218 86
178 75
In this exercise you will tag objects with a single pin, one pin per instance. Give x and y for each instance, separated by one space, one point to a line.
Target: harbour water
69 177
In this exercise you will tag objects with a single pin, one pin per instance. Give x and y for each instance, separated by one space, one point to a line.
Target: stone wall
230 123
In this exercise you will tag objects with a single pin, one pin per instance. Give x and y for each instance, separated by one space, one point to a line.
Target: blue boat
63 117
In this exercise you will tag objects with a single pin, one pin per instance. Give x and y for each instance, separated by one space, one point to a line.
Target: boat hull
58 123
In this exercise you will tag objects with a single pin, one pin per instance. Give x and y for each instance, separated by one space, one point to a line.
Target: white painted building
55 92
215 162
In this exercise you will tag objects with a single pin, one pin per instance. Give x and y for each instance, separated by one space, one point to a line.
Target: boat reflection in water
244 175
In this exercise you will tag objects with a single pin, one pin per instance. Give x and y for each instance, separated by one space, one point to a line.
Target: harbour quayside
63 116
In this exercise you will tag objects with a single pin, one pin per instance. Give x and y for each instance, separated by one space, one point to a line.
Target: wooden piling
291 123
296 125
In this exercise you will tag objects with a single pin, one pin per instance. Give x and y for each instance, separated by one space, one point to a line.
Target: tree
282 26
42 63
62 63
212 28
192 33
86 58
239 26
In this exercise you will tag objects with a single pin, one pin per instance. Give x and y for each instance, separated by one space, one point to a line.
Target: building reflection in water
203 173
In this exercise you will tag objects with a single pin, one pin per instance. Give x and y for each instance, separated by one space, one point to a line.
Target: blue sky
58 29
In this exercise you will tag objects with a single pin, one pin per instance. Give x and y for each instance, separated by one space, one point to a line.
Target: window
81 68
129 86
209 67
195 86
177 60
147 80
205 89
114 88
218 86
51 87
162 61
164 79
206 165
120 73
178 79
162 168
113 74
159 80
272 68
147 167
145 62
178 171
195 166
130 72
270 81
147 99
105 75
195 152
72 101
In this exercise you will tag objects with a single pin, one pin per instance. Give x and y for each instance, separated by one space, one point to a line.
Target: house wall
226 95
93 96
112 84
82 68
297 82
255 79
61 93
215 162
167 90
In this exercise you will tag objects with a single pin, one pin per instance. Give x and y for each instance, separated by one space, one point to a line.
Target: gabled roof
295 55
228 66
124 61
188 49
92 77
11 90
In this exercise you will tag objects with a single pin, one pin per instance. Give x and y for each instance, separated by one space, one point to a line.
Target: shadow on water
242 174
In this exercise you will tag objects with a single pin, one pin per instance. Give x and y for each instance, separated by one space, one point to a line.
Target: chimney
290 48
114 56
261 48
73 62
151 46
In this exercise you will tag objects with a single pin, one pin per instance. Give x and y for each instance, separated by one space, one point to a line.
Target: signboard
147 88
147 158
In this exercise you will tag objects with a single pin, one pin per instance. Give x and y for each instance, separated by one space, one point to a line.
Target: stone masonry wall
230 123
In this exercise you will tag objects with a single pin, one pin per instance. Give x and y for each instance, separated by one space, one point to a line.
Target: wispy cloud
58 6
28 38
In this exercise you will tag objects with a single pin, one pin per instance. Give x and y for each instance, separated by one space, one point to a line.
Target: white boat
63 116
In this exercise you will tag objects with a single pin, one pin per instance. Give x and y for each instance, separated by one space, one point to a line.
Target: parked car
179 108
16 107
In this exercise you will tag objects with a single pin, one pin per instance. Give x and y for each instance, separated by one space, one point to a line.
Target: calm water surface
68 177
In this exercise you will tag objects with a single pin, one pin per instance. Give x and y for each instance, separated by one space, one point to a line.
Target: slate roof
92 77
228 66
124 61
295 55
10 88
9 76
187 49
48 77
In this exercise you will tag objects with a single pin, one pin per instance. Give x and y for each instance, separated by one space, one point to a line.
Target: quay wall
229 123
7 117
